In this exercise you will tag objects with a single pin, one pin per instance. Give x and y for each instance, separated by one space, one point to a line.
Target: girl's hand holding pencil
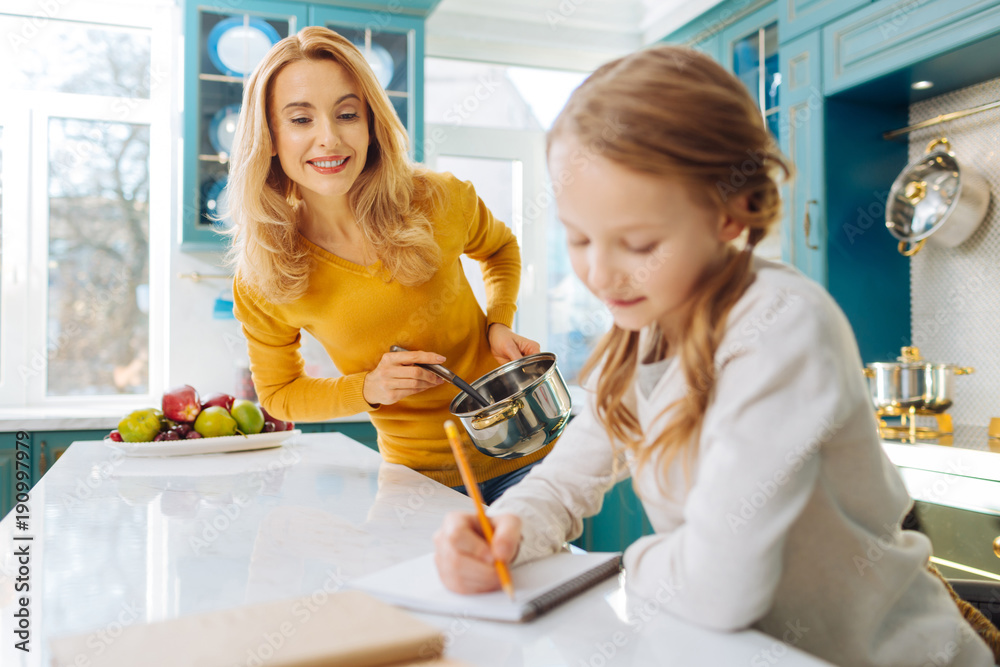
471 552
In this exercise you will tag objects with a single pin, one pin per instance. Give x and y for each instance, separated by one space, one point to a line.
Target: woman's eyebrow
309 105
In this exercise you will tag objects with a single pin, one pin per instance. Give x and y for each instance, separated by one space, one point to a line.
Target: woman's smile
328 165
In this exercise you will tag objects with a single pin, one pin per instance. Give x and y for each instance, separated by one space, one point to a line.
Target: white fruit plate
226 443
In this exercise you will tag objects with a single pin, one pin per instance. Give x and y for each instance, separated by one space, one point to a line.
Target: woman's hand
463 557
507 345
396 377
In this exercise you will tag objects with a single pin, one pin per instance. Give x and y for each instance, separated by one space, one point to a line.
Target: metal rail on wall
892 134
198 277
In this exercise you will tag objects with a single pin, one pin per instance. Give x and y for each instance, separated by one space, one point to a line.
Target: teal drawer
890 35
797 17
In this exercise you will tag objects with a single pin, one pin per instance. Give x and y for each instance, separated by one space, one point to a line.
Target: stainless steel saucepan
529 407
912 382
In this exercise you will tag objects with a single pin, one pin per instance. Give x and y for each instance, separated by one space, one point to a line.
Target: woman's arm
491 243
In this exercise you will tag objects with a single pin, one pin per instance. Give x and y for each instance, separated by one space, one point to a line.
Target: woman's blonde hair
390 198
674 112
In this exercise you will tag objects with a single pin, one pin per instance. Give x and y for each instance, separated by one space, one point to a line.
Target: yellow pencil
470 484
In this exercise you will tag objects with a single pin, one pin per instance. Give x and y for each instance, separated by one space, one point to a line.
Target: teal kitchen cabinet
801 139
16 454
224 43
750 51
221 48
39 450
797 17
620 522
390 42
888 35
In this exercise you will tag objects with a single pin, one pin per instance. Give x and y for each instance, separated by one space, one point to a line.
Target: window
486 124
85 117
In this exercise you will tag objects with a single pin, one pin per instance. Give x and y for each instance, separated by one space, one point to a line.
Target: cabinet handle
807 225
996 546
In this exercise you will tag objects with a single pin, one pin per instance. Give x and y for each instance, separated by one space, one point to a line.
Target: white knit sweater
790 519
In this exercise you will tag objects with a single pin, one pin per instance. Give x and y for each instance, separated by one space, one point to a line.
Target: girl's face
639 242
319 123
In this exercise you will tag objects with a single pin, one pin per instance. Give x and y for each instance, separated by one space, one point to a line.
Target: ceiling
565 34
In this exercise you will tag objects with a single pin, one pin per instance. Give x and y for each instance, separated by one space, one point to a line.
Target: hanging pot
936 198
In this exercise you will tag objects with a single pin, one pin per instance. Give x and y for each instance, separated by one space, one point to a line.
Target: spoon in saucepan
446 374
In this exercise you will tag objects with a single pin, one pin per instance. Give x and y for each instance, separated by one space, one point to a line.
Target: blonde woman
337 233
728 386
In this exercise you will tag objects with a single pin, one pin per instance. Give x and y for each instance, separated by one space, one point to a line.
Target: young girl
729 386
337 233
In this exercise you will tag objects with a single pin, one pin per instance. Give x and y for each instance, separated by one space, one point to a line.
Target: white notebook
538 586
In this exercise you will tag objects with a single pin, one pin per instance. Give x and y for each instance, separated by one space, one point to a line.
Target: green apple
248 416
215 421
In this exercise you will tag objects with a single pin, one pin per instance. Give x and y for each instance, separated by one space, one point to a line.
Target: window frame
24 339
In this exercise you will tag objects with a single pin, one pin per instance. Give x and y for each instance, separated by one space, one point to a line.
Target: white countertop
120 540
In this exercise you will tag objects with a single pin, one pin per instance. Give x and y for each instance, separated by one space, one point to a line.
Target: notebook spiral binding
560 594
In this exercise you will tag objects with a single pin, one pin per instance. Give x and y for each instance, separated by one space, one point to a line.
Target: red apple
279 425
181 404
222 400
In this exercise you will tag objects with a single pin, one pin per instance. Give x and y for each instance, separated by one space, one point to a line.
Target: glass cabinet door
222 50
755 62
389 42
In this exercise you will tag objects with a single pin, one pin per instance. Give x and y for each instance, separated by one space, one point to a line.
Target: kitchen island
116 541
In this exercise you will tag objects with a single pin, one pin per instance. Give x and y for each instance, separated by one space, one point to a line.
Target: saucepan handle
437 369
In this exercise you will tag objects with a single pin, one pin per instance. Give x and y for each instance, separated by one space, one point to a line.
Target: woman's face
638 241
319 123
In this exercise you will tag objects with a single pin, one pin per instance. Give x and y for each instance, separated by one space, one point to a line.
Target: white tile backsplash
955 292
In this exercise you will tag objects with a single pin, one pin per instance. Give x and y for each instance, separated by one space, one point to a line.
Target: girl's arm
565 488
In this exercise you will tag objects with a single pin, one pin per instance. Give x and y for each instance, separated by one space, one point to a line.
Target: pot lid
924 194
910 358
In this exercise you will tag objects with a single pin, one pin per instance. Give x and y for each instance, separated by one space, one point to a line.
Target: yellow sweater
357 316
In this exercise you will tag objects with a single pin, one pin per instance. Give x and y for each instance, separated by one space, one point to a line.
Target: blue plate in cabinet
223 127
380 61
217 204
237 44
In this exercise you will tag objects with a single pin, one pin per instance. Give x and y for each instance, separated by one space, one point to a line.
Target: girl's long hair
391 198
674 112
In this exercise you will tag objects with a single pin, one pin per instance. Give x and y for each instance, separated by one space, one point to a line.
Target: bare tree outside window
98 263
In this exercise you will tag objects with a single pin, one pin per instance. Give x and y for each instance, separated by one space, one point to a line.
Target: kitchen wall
205 352
955 292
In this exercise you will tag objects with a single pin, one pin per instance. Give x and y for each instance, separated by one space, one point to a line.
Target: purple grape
192 435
